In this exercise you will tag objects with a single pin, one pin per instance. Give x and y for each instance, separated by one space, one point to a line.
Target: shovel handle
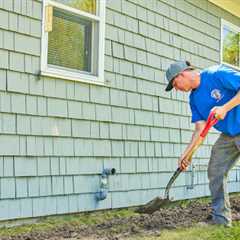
212 120
171 181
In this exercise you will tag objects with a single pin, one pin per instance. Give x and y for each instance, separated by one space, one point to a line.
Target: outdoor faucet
104 185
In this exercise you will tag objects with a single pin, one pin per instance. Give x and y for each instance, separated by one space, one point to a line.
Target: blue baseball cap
173 70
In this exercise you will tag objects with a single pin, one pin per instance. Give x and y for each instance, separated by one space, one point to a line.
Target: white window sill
73 76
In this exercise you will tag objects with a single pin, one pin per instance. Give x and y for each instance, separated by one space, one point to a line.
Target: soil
139 224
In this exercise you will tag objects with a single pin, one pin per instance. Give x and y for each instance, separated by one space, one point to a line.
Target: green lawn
197 233
193 233
45 224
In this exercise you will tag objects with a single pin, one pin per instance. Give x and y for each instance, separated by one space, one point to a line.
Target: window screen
69 43
231 44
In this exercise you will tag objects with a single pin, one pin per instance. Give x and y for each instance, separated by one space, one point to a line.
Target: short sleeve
229 78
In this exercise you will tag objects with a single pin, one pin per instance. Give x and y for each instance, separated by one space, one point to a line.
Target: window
230 44
73 40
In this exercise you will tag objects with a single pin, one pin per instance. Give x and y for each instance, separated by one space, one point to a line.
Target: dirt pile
120 227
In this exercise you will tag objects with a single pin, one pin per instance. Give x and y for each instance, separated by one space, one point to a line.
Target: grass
197 233
49 223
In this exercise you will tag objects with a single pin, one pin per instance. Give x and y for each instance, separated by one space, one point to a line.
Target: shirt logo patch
216 94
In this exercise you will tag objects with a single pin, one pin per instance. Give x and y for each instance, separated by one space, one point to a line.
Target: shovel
158 202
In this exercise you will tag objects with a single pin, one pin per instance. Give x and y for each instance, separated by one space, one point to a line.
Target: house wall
58 135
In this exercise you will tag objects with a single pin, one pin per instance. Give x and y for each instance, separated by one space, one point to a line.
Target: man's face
182 81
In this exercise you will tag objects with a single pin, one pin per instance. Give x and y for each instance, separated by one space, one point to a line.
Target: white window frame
50 71
234 28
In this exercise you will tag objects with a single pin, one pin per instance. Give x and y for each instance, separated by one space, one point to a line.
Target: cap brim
169 86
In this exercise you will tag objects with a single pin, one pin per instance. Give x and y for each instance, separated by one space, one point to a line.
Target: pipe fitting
104 183
108 171
101 195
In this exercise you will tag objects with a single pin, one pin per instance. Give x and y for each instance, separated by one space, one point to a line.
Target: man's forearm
233 102
185 158
195 137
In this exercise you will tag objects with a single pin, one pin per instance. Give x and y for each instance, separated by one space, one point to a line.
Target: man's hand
220 112
184 162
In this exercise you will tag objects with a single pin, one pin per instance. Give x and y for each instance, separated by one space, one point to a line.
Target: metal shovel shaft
171 181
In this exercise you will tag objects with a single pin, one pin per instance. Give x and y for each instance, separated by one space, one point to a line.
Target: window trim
235 28
47 70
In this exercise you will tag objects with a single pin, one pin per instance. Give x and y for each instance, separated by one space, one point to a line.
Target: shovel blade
153 205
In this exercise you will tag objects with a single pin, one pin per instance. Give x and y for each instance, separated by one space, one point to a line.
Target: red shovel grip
212 120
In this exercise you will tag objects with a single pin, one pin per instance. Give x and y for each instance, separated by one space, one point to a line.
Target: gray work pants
224 155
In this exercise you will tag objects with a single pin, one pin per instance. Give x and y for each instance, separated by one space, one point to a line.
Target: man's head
180 75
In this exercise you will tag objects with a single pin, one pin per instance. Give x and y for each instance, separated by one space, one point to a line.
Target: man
214 89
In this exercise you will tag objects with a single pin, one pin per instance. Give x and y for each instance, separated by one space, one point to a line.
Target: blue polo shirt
218 85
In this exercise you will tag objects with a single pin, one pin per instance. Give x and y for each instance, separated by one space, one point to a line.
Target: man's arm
222 111
183 162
